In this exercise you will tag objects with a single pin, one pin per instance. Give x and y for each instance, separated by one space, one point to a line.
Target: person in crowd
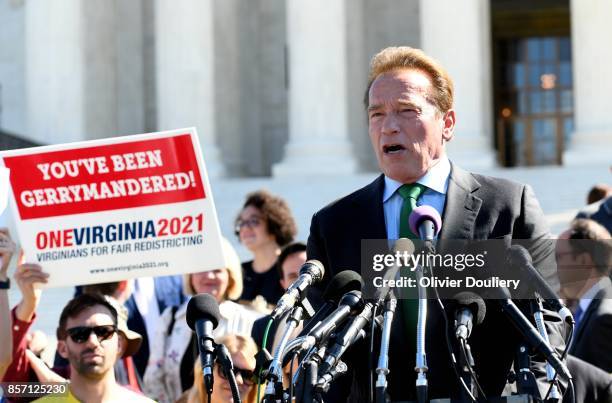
264 225
409 104
28 367
7 249
117 293
242 350
174 350
291 259
149 298
88 337
600 211
584 258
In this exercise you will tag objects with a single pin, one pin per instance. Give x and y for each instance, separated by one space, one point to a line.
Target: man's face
407 131
291 268
92 358
575 270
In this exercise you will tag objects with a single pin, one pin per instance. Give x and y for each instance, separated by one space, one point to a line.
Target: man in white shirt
584 258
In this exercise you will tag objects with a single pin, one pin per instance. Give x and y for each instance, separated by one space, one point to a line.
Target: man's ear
448 130
62 349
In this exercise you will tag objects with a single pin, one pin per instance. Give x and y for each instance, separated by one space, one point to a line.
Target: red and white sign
117 208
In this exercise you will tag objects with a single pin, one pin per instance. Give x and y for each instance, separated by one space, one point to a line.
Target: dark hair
102 288
287 251
77 305
598 192
588 236
276 214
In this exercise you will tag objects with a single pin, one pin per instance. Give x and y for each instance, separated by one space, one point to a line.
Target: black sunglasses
80 334
248 376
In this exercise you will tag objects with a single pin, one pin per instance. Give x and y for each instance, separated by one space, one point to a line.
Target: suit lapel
461 206
372 216
593 306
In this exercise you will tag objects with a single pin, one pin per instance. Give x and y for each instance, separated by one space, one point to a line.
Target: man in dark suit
584 256
409 101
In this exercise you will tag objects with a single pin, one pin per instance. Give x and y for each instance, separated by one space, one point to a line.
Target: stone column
591 142
318 113
457 34
84 76
185 72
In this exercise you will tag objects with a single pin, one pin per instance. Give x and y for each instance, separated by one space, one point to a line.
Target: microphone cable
568 340
263 345
450 347
469 367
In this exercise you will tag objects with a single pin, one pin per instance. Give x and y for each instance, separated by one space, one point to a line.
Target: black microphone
528 331
425 221
468 305
311 272
340 284
203 316
520 259
352 332
350 304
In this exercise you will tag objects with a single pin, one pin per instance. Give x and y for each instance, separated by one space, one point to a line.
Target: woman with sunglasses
242 350
264 225
174 350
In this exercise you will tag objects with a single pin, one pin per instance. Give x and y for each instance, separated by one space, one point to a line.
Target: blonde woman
242 350
173 351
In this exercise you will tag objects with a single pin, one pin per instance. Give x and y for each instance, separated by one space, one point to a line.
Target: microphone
528 330
520 259
340 284
425 221
402 245
468 306
203 317
350 304
311 272
351 333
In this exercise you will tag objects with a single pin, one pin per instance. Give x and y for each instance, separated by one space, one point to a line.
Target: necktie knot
411 191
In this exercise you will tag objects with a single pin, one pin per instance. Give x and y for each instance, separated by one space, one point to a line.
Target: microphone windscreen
203 306
424 213
314 268
343 282
474 302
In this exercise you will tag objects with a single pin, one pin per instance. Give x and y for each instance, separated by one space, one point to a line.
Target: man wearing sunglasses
87 337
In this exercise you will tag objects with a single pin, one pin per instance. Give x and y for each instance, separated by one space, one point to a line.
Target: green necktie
410 193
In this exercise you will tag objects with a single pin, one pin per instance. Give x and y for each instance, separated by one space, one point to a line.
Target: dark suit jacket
592 384
477 207
593 337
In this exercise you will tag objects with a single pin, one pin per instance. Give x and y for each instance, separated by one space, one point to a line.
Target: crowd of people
129 340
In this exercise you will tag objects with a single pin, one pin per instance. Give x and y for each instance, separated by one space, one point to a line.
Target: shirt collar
435 179
588 296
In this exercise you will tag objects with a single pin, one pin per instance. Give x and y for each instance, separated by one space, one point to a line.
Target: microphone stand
525 379
274 390
421 359
536 307
382 368
227 366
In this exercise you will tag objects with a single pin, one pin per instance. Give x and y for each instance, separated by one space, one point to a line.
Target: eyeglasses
80 334
248 376
249 222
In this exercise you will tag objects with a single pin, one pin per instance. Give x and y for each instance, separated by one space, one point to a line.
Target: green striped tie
410 193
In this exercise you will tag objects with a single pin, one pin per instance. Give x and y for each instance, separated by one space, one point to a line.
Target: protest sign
111 209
